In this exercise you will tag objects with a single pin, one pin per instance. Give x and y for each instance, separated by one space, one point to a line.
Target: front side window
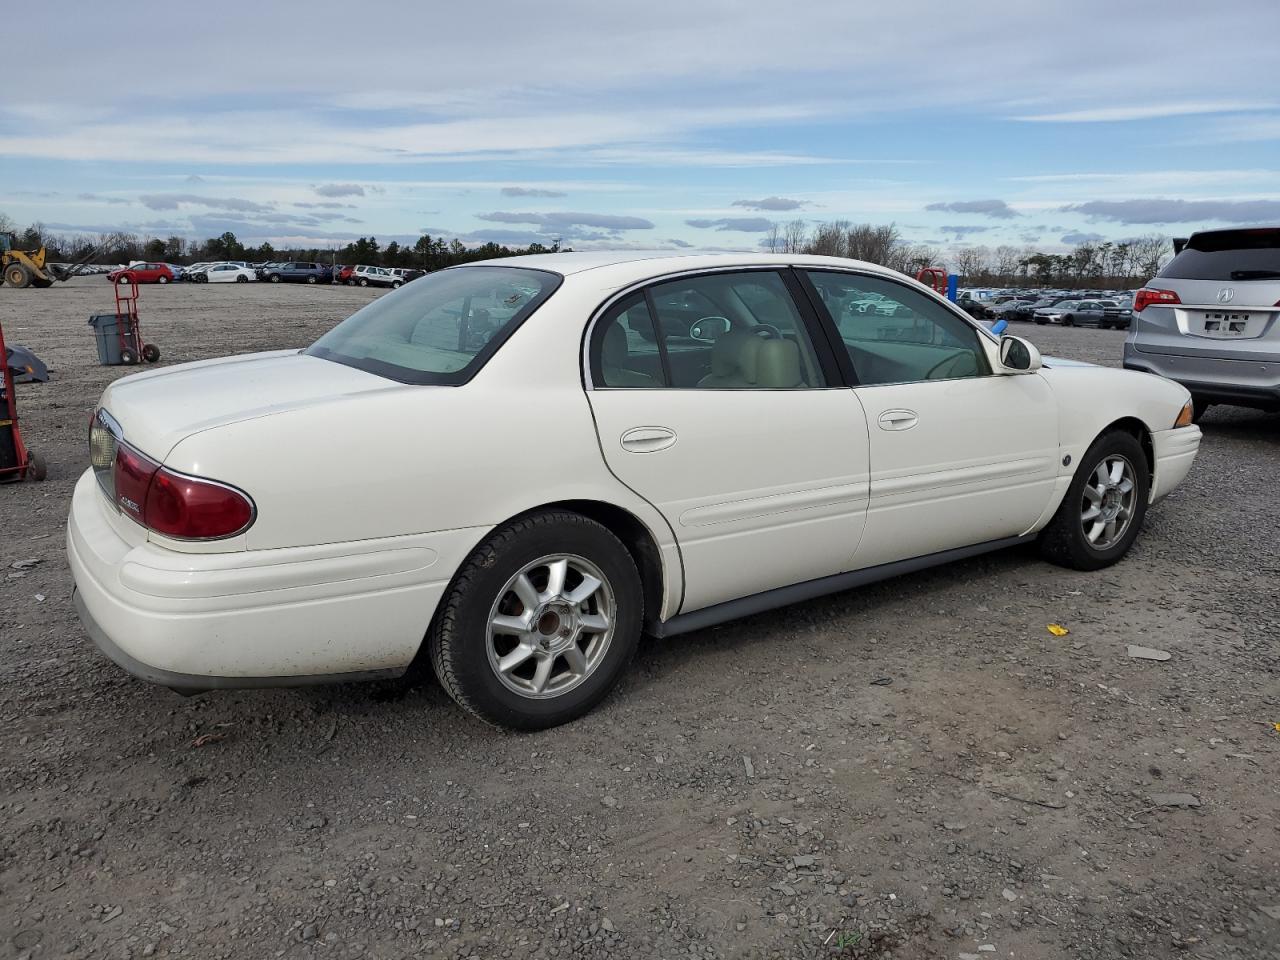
722 331
440 329
894 334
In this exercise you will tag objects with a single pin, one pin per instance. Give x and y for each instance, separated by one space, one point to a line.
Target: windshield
440 329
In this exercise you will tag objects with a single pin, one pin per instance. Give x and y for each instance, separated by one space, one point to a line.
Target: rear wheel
364 282
1102 512
242 279
150 352
311 279
162 279
540 622
128 357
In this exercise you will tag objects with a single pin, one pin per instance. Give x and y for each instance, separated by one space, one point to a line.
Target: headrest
777 365
613 350
735 354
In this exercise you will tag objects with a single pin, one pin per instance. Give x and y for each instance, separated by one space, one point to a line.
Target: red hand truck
132 349
17 462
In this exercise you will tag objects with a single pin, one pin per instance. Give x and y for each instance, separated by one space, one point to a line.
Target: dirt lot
917 769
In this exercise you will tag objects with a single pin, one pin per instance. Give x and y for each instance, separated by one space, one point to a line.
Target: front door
959 455
711 403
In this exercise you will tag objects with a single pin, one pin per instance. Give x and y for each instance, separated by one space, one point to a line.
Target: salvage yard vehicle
227 273
296 272
142 273
1211 319
365 276
518 466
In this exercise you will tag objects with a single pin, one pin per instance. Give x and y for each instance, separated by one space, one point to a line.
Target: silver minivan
1211 319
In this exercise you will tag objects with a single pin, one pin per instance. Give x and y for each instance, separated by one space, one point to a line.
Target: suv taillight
170 503
1149 295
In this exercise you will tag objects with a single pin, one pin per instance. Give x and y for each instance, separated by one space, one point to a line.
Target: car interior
742 331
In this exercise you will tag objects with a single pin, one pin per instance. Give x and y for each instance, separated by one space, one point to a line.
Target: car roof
617 267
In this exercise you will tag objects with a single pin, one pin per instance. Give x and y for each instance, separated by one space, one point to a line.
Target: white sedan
521 465
228 273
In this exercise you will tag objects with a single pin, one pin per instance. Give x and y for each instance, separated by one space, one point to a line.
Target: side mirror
709 329
1018 355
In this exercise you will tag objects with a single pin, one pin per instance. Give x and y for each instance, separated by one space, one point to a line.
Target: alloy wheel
1107 506
551 626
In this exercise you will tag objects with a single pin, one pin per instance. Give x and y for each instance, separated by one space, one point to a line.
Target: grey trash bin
106 329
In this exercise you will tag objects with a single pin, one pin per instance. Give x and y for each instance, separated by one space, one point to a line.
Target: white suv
375 277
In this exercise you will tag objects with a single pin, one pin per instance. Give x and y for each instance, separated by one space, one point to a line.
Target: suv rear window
440 329
1228 255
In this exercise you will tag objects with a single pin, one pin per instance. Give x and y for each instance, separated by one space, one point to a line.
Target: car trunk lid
157 409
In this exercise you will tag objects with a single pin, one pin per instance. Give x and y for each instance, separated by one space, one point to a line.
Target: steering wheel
767 330
947 368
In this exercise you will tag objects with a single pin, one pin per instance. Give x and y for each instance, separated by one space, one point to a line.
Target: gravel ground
916 769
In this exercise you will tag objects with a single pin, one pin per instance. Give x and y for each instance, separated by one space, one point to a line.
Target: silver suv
1211 319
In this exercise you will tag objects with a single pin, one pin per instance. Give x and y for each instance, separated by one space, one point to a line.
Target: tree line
1124 263
427 253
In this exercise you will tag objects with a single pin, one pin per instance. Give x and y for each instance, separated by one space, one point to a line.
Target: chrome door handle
898 420
648 439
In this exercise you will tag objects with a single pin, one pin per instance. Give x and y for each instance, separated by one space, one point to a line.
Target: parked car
1210 319
1013 309
228 273
374 277
769 452
343 274
1081 313
296 272
1054 313
142 273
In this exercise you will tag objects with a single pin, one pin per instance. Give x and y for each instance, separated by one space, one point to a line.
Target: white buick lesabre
517 467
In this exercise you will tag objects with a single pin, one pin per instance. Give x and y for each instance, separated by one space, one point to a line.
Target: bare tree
971 263
874 244
794 236
830 239
774 241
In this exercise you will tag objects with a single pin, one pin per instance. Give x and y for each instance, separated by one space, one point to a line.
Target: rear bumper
1249 383
255 618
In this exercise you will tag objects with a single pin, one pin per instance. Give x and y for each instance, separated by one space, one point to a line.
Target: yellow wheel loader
28 268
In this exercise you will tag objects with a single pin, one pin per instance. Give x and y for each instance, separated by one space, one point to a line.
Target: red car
142 273
343 275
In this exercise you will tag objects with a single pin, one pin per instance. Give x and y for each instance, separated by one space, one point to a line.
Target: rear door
1226 285
713 403
959 456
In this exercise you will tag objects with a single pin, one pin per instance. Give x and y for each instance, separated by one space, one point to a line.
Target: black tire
395 284
458 640
150 352
128 358
311 279
274 278
364 282
36 468
1063 541
162 279
1199 407
124 278
242 279
16 275
1040 323
1068 321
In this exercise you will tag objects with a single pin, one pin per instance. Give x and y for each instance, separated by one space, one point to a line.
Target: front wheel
395 284
1102 512
311 279
162 280
540 622
242 279
364 282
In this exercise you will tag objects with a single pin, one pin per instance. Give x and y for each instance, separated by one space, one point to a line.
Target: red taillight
192 509
131 479
1149 295
173 504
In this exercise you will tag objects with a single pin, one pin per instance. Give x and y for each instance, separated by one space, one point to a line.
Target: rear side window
1228 255
440 329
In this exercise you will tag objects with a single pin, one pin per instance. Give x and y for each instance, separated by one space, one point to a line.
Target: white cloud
1149 110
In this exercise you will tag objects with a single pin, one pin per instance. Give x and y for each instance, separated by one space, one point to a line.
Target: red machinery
934 277
131 346
16 461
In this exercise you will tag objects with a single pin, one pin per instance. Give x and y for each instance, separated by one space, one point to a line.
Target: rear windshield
1228 255
440 329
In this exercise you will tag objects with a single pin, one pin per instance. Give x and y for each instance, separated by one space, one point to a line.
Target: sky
655 125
